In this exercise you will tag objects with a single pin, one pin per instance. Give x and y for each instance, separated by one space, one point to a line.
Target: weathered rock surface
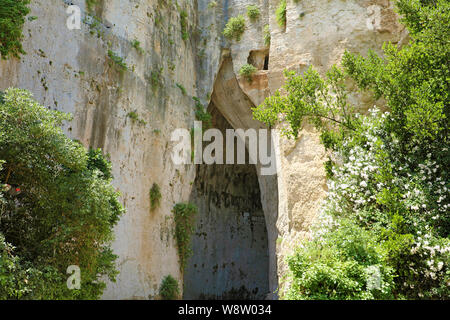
70 70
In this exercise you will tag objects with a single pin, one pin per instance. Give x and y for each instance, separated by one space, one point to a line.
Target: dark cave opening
266 63
230 246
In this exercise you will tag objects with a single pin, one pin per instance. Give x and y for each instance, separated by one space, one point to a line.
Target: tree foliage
59 209
388 172
12 19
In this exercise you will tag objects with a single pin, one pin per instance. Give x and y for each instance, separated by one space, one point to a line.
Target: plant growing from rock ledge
169 288
63 199
253 12
234 28
212 4
280 14
267 36
155 78
155 196
12 19
135 118
201 114
183 89
183 22
117 60
184 228
247 71
137 45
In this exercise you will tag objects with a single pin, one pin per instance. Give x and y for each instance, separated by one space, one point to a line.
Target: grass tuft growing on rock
12 19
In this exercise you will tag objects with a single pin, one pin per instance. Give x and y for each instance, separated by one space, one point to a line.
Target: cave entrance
259 59
230 245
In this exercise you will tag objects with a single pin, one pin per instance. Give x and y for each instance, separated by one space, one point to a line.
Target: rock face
71 70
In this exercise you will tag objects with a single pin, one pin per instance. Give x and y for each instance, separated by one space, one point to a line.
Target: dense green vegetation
384 229
184 214
12 19
169 288
57 207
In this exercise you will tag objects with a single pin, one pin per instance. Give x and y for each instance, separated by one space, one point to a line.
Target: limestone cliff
71 70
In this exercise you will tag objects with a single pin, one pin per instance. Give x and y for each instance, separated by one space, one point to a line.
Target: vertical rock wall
70 70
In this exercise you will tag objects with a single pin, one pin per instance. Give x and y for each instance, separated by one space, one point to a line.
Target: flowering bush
385 225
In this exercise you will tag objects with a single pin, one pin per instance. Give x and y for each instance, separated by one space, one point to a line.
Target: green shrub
280 14
247 71
59 210
234 28
169 288
266 34
342 263
155 196
12 19
253 12
212 4
183 89
184 228
117 60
